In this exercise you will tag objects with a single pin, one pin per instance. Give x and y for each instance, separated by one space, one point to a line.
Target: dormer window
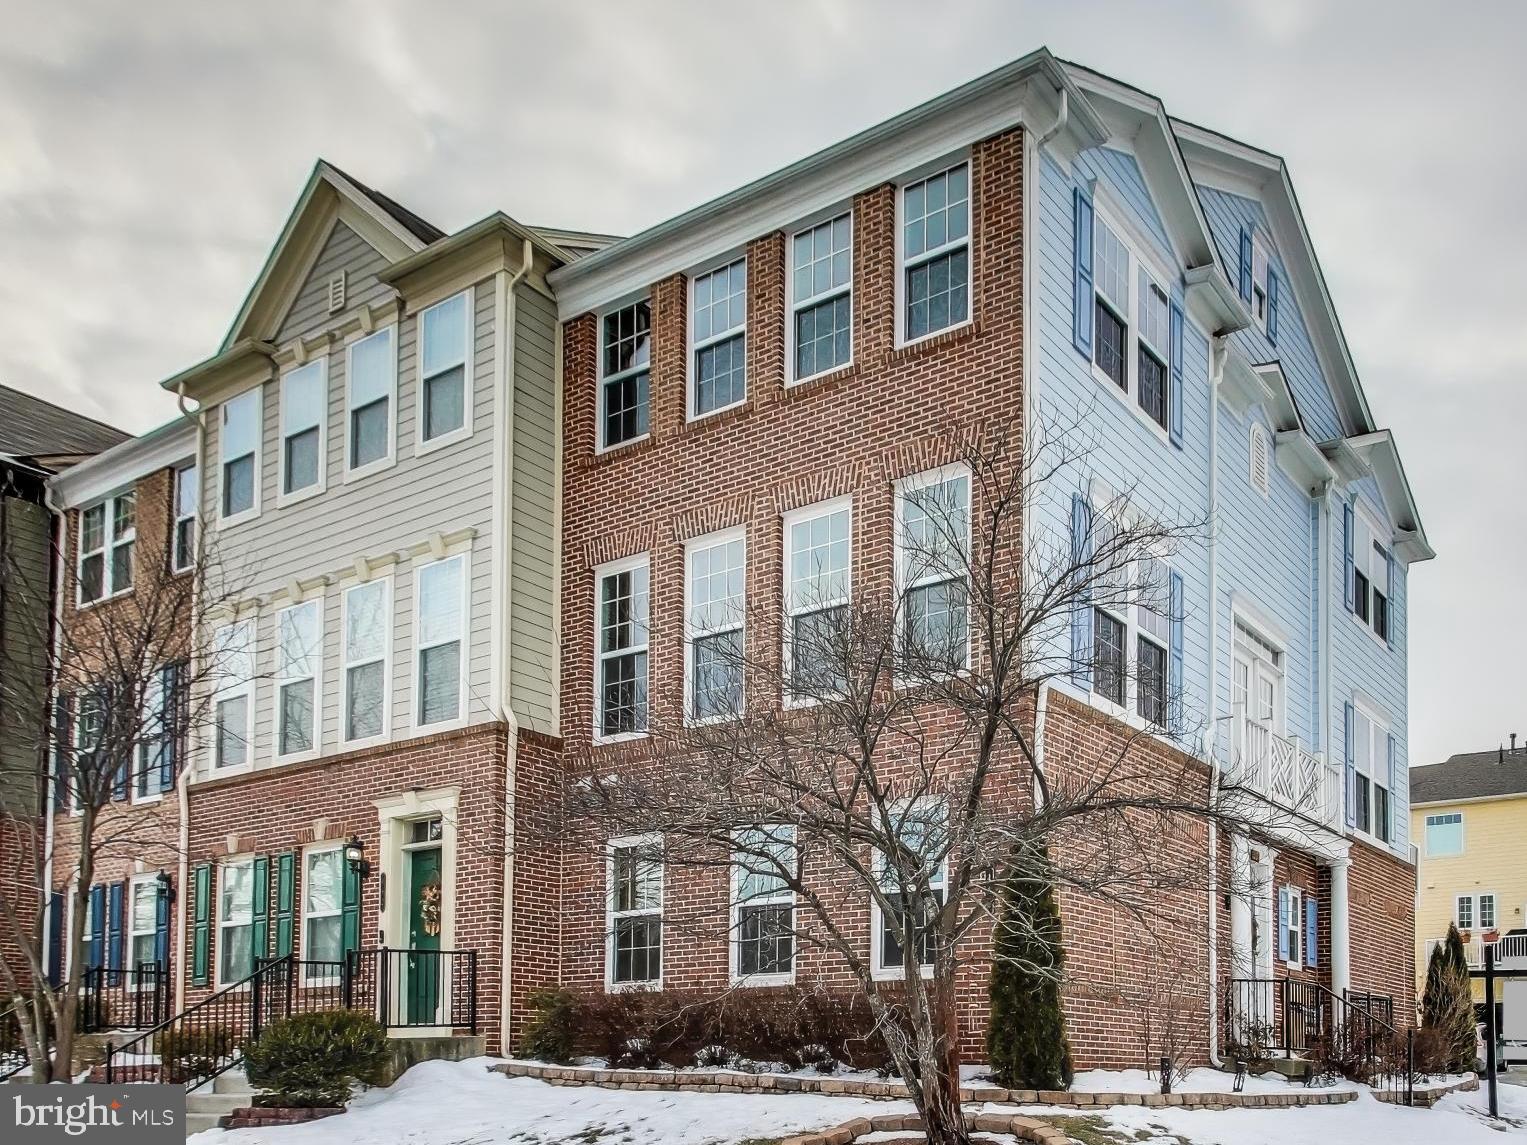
1371 588
1259 284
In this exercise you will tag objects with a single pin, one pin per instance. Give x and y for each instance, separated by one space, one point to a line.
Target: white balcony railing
1510 951
1284 772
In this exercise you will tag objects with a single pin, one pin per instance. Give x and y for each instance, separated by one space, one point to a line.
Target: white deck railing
1284 772
1510 952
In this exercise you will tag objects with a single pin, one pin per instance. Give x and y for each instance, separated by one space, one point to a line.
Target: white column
1341 928
1242 965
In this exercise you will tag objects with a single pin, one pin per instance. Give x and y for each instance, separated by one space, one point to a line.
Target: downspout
1217 350
56 625
503 411
183 780
1341 928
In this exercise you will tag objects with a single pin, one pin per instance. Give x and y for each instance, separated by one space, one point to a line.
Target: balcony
1284 772
1510 952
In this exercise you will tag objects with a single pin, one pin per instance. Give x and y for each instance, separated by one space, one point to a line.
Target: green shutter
201 924
286 895
259 930
350 916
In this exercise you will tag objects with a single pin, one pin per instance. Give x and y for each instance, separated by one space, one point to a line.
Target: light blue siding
1119 171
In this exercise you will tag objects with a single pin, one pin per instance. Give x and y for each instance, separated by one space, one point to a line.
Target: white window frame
1479 910
186 475
1378 757
256 396
1458 901
604 379
1261 274
694 630
422 444
634 842
389 459
416 686
905 582
969 242
938 881
692 401
1129 711
784 897
346 664
1426 834
309 976
219 981
110 543
1363 557
130 934
612 568
81 746
796 305
223 641
152 729
320 366
793 609
282 680
1295 926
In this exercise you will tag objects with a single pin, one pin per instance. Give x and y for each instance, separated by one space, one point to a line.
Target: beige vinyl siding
23 704
532 654
342 250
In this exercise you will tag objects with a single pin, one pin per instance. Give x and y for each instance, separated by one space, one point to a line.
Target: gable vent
1260 480
337 292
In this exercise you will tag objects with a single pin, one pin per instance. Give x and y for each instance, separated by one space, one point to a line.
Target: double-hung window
440 640
821 297
235 921
1444 835
1131 628
445 391
1134 356
719 333
1110 618
155 727
1153 633
935 253
1463 915
1291 943
1153 349
1110 276
108 536
1259 288
1371 590
933 543
368 618
763 923
370 381
716 614
233 683
918 894
239 455
142 928
818 556
636 912
299 659
322 904
187 494
89 730
625 367
304 410
620 699
1370 795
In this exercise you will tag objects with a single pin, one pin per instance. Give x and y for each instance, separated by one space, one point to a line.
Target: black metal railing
127 999
416 989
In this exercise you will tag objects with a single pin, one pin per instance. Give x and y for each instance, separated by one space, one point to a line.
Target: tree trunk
939 1104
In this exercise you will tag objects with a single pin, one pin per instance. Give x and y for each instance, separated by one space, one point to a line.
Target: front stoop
208 1106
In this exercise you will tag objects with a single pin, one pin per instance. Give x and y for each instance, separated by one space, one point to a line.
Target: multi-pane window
233 651
1293 926
239 454
1131 628
1259 287
1110 274
367 618
444 339
370 376
625 369
933 541
142 927
718 329
89 728
1370 795
636 912
1153 350
1153 631
304 408
1371 590
1486 912
620 706
187 494
763 860
1132 321
322 903
1464 914
921 830
1444 835
299 656
716 611
818 552
935 252
235 921
821 296
440 632
155 727
108 535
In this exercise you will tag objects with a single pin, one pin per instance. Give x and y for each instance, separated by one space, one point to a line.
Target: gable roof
423 230
33 428
1471 775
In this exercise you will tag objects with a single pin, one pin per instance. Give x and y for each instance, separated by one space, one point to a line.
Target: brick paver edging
727 1081
1428 1096
1023 1128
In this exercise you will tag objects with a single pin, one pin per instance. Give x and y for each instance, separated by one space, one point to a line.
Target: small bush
713 1057
315 1059
549 1035
186 1053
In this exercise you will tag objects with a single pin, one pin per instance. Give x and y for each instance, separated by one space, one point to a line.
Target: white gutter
1217 351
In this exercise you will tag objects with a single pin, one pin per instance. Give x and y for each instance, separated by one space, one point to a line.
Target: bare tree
127 692
886 748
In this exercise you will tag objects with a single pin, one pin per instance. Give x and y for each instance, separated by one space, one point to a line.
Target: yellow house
1469 823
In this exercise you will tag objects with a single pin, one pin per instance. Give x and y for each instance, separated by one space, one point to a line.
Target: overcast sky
150 151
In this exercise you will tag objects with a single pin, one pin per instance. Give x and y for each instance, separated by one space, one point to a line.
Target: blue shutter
1272 306
1245 264
1174 661
1348 589
55 938
1081 258
95 955
117 898
1311 931
1081 615
162 927
1394 802
1174 391
1283 924
1349 779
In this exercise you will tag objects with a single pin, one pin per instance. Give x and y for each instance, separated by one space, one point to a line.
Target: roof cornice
121 465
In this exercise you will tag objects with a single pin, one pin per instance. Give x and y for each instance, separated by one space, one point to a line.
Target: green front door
422 989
